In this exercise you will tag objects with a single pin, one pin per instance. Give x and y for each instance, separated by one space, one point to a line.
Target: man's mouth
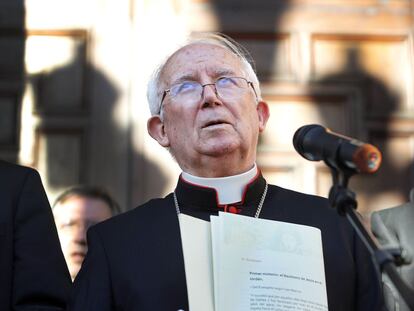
215 123
78 256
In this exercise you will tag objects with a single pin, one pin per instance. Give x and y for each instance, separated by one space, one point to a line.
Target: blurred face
73 217
209 128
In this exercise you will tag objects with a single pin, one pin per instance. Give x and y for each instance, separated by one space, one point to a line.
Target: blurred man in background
76 210
394 229
33 274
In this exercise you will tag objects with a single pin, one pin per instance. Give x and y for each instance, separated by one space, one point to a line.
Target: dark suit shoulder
306 209
151 216
300 201
13 173
18 181
32 238
295 195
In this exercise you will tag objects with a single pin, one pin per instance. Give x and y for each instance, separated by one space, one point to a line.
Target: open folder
242 263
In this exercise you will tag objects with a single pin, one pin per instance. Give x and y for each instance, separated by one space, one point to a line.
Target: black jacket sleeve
40 278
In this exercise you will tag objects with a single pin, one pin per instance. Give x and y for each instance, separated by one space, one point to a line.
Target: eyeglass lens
225 88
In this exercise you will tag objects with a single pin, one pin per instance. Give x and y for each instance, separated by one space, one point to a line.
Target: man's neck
229 189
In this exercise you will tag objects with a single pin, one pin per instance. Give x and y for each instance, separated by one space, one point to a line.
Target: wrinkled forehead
193 60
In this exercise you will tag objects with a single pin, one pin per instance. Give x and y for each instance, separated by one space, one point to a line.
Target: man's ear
155 127
263 113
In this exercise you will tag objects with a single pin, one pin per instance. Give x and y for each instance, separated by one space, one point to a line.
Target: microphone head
301 138
315 142
367 159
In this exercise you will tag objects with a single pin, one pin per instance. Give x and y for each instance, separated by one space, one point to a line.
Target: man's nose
210 95
80 234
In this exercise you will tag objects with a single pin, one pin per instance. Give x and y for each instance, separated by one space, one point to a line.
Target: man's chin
74 270
219 148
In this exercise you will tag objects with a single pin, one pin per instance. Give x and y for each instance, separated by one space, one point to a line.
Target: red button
233 210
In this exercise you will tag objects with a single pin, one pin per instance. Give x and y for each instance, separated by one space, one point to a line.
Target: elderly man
33 274
75 210
207 110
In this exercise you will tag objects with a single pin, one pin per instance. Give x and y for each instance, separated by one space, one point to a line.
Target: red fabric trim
234 210
247 186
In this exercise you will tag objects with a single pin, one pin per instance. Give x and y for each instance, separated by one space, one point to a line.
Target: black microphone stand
344 200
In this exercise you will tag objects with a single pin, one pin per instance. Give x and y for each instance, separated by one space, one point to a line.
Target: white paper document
252 264
196 240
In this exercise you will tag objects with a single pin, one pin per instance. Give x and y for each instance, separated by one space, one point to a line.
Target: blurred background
73 82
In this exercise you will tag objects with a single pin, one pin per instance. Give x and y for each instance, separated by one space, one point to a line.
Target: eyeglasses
192 91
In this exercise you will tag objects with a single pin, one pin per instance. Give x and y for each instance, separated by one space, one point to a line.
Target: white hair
154 93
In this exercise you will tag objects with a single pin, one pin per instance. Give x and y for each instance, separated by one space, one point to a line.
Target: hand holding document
243 263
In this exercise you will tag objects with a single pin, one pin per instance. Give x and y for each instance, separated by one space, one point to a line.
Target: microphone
315 143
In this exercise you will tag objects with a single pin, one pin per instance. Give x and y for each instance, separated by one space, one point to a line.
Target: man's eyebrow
186 77
191 77
224 72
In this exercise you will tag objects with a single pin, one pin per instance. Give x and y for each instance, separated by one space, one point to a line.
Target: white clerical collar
229 189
